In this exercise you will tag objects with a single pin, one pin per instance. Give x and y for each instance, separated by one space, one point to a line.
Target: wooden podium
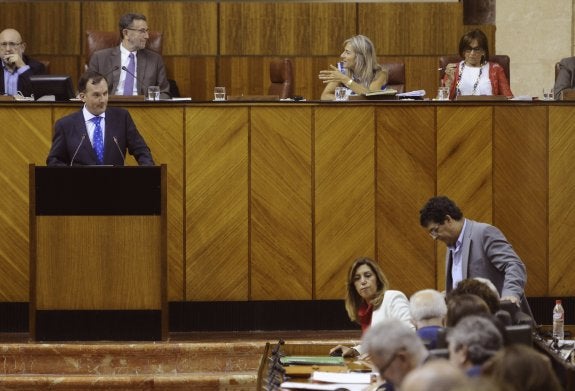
98 253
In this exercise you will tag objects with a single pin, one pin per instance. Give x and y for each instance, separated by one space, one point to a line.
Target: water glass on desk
548 94
442 93
340 94
219 93
154 93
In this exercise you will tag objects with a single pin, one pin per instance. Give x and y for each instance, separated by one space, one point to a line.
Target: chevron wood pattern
561 206
26 138
281 203
405 180
520 188
344 194
216 225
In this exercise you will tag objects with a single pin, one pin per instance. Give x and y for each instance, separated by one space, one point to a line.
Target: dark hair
353 300
460 306
126 21
436 209
89 75
478 288
465 43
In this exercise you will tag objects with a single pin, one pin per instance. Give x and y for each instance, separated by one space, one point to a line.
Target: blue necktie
98 140
129 81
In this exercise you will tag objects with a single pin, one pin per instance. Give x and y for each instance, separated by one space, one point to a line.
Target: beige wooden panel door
216 194
26 138
344 193
561 205
405 180
464 164
281 203
520 187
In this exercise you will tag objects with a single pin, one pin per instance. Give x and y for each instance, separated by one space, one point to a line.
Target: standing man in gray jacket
475 249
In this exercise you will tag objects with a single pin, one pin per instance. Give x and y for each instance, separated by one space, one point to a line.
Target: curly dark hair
436 210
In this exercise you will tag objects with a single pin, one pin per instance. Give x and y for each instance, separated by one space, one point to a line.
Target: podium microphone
119 149
77 149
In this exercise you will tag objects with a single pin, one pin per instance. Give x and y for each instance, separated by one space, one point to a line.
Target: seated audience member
475 75
428 313
522 368
146 66
362 71
97 134
479 288
369 301
16 66
472 342
435 375
565 79
465 304
394 350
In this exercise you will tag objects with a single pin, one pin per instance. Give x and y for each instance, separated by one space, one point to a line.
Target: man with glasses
130 68
395 350
16 66
475 249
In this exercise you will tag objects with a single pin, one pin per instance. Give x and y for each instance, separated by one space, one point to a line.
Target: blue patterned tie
129 81
98 140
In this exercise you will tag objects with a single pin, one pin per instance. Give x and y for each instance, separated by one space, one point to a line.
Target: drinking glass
154 93
340 94
548 94
219 93
443 93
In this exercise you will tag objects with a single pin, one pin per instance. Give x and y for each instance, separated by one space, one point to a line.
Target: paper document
415 93
349 377
328 387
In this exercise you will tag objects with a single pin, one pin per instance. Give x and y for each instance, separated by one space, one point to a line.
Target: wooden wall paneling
561 206
421 74
520 187
26 140
254 28
162 127
216 209
244 75
412 28
195 76
405 180
344 193
281 203
464 164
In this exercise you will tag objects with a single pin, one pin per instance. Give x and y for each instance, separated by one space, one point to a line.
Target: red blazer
499 83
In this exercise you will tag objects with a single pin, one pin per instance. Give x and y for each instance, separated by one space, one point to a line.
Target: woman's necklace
461 68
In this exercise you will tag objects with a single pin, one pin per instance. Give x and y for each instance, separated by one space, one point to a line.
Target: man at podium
98 134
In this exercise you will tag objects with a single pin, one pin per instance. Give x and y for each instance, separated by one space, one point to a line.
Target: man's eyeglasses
434 231
476 50
5 45
141 31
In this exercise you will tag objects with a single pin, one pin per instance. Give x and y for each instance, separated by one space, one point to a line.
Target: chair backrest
500 59
281 78
98 40
395 75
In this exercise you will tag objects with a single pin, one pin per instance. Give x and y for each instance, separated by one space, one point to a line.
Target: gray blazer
565 76
150 72
487 253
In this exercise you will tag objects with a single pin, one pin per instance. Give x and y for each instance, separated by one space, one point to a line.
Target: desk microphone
77 149
119 149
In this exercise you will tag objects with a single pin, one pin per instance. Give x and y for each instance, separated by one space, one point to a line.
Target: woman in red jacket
475 75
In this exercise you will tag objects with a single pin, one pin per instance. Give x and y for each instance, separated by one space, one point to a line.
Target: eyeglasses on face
434 231
141 31
476 50
5 45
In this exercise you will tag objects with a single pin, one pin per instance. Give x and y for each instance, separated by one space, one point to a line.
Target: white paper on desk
290 385
182 99
339 377
415 93
522 97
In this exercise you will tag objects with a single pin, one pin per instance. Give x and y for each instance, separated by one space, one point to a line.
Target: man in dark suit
16 66
96 135
146 65
475 249
565 77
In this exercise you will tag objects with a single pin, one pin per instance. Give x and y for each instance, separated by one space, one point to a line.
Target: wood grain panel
26 140
216 203
162 127
561 206
464 164
520 187
48 27
405 180
190 28
344 193
412 28
95 271
281 203
195 76
284 28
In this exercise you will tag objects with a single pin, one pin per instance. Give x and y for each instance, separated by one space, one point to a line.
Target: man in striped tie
97 134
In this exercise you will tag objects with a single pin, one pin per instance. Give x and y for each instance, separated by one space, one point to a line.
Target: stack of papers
332 381
412 94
